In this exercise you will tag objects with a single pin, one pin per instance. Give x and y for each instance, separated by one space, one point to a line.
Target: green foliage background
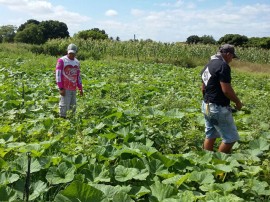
136 136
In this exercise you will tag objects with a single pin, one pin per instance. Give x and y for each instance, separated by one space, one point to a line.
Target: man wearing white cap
68 79
217 94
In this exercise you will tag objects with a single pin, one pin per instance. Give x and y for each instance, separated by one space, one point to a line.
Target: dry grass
248 67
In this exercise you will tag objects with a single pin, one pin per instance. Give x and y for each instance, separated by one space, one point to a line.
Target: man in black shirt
217 94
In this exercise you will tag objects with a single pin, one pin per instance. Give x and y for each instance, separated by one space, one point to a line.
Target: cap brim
71 51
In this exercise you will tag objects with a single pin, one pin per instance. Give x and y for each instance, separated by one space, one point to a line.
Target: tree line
235 39
35 32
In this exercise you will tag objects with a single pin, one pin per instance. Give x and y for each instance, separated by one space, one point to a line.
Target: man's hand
81 93
62 91
229 93
238 105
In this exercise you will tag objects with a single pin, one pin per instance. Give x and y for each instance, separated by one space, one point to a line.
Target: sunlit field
138 130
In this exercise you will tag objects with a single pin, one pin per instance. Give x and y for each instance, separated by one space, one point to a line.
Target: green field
136 136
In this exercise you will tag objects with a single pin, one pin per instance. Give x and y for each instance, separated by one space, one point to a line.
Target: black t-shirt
213 73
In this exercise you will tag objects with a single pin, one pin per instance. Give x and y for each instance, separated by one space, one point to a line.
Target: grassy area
136 136
256 68
251 60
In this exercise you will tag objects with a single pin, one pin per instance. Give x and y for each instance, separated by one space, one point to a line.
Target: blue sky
159 20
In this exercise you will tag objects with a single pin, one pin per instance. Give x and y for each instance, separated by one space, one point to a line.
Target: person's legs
209 144
227 129
210 131
225 147
219 122
64 104
73 102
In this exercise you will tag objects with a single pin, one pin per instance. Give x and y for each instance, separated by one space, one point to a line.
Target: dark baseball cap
228 48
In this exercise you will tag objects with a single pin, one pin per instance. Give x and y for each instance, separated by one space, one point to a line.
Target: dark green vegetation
136 136
235 39
35 32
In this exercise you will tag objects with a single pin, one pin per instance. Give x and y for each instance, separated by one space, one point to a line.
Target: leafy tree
206 39
7 33
259 42
32 34
234 39
193 39
54 29
254 42
117 38
31 21
95 34
265 43
36 32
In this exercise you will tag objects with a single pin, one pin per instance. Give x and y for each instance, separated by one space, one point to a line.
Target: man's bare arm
229 93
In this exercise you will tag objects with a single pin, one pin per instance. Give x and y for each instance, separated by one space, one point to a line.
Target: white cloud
111 13
31 6
137 12
42 10
255 10
178 25
11 2
169 21
181 21
178 3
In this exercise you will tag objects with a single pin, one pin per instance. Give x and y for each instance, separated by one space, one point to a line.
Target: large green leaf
3 164
123 174
134 163
188 196
78 160
21 164
142 175
97 173
223 167
175 114
4 151
138 164
215 197
165 160
202 177
229 187
154 112
146 149
177 179
138 192
78 191
8 178
129 151
260 187
38 188
7 194
62 174
6 137
260 144
252 170
109 191
15 144
122 197
155 166
127 133
162 191
225 188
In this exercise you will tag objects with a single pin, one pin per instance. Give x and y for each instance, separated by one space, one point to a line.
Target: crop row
136 136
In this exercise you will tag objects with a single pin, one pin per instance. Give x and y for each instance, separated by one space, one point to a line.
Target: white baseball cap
72 48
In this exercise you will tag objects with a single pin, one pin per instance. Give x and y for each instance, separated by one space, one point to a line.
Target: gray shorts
67 102
219 123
